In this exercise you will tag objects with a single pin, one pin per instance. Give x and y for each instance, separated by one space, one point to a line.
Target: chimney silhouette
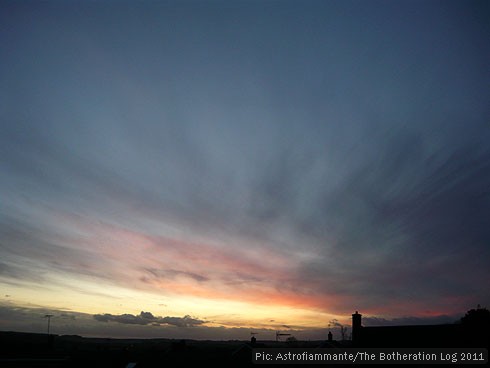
356 327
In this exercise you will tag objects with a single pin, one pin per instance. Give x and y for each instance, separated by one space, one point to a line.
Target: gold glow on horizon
98 298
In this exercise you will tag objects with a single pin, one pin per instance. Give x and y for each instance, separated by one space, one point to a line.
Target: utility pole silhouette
48 316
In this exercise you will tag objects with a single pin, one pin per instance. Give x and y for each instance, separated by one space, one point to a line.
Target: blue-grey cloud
404 321
170 273
146 318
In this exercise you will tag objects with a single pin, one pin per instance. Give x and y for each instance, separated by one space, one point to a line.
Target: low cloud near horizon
146 318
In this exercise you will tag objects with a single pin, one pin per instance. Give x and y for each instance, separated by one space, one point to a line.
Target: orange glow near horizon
237 286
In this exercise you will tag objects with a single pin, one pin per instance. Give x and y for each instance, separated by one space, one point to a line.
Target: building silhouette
456 335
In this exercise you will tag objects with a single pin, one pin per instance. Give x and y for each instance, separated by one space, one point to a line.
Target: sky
204 169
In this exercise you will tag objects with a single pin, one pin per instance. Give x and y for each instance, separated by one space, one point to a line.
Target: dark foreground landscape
24 350
38 350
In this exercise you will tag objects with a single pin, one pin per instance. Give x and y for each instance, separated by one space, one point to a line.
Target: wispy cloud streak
327 156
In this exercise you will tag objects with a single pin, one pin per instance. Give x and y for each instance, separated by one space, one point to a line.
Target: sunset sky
202 169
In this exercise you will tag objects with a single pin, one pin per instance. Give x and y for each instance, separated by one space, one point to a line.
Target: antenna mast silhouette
278 333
